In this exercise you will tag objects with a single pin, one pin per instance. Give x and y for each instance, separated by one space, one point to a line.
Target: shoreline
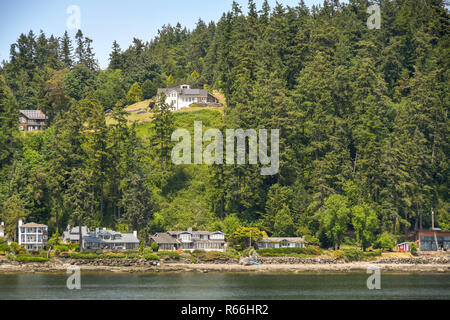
60 266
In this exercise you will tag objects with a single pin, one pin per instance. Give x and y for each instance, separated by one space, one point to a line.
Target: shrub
151 256
4 247
169 254
212 256
277 252
339 255
80 255
155 247
15 246
54 240
385 240
61 247
198 251
353 255
73 246
232 253
413 248
371 255
148 250
29 258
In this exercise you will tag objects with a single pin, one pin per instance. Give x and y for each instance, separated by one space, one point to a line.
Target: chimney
20 222
432 219
97 230
135 233
3 223
189 229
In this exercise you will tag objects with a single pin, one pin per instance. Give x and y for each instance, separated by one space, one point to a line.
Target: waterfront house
32 120
433 240
404 247
2 230
280 242
190 240
32 235
72 235
183 96
110 240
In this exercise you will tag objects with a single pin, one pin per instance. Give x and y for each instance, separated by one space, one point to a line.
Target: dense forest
362 116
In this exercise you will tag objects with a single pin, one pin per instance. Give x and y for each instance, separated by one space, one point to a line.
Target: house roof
164 238
185 92
279 239
34 225
125 238
34 114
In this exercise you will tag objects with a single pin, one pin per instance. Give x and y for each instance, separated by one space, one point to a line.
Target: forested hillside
363 119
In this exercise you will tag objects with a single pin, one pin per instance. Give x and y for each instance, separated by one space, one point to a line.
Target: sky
107 20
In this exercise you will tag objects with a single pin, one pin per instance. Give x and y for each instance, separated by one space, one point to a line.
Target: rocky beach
439 264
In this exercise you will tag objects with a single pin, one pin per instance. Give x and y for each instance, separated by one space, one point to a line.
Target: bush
371 255
151 256
73 246
339 255
413 248
385 240
15 247
353 255
277 252
213 256
232 253
155 247
80 255
61 248
148 250
4 247
29 258
170 254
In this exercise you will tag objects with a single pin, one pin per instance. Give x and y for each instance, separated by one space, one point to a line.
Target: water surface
215 286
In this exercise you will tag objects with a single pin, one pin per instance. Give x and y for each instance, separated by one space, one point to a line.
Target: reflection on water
224 286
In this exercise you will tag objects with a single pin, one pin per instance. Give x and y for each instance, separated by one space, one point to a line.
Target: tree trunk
81 236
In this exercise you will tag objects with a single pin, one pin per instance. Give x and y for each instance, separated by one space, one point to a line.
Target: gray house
190 240
110 240
73 234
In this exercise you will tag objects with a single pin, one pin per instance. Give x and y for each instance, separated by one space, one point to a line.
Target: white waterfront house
281 242
190 240
32 235
183 96
2 230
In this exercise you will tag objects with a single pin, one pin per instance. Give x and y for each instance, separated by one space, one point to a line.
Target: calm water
224 286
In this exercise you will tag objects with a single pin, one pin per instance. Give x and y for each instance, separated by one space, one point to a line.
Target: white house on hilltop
183 96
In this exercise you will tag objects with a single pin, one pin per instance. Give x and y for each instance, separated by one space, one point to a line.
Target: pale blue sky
107 20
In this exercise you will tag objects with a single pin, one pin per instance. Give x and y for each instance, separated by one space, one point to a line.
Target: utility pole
250 238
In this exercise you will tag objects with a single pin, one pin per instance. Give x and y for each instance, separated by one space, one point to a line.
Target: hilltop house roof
185 91
33 114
